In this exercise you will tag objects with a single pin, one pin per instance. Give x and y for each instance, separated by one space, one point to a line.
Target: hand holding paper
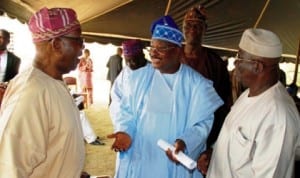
181 157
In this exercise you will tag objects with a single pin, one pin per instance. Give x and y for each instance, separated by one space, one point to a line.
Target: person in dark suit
114 65
9 62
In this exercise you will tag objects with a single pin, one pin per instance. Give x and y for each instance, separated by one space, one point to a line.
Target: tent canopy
112 21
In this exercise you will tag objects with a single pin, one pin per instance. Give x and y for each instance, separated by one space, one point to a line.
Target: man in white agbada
168 101
134 59
260 135
40 132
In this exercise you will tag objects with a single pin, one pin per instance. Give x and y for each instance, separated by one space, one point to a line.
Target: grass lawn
100 160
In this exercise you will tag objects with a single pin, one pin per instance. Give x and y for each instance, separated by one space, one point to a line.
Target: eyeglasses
160 50
79 40
239 60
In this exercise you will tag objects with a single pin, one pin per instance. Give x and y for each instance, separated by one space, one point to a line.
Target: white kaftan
119 89
154 109
258 138
40 132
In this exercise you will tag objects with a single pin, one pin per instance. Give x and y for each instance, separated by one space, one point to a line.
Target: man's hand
122 141
203 161
179 146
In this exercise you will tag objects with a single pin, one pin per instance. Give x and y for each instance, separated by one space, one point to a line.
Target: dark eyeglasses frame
79 40
160 50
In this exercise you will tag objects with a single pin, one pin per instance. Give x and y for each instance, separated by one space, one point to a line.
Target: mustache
155 57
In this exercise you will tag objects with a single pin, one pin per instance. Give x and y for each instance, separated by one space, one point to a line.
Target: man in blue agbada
166 100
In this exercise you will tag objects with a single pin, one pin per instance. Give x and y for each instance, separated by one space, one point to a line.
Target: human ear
257 67
56 44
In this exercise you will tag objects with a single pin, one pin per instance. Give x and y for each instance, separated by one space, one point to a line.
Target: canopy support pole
168 7
296 66
261 13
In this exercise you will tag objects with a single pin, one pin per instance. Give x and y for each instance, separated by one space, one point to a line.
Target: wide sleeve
203 102
126 121
275 145
117 93
129 98
26 128
121 107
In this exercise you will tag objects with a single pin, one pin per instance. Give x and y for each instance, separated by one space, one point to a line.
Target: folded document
181 157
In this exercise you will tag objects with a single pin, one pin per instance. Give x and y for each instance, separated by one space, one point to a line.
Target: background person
134 59
114 65
88 132
166 100
38 110
85 68
261 133
9 62
207 63
133 54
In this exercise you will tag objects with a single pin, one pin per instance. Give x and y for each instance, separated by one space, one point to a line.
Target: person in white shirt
261 134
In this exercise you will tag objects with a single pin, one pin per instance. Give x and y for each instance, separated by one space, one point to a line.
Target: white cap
261 43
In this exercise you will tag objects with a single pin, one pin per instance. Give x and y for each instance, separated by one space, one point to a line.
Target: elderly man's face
72 49
193 31
165 56
246 67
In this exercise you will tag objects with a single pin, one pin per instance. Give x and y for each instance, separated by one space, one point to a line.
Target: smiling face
193 31
165 56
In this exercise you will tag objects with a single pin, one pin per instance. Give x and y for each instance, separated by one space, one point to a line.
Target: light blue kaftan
151 110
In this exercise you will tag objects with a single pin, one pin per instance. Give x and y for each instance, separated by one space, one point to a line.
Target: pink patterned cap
132 47
50 23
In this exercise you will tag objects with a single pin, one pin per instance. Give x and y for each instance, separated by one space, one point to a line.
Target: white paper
181 157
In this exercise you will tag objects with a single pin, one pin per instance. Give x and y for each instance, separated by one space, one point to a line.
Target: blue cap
166 29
